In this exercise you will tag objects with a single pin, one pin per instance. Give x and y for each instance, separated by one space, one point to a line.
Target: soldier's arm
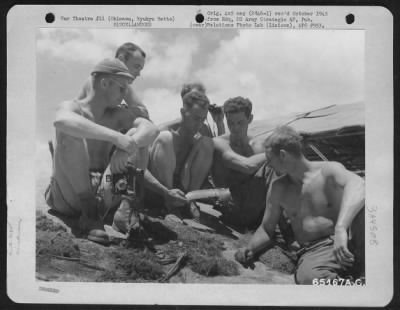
235 161
263 237
71 122
143 131
353 192
352 202
135 104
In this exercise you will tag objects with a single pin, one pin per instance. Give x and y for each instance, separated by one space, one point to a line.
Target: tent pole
314 148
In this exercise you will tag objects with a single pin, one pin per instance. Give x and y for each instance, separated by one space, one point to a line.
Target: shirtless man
134 58
86 131
180 159
217 115
323 200
239 165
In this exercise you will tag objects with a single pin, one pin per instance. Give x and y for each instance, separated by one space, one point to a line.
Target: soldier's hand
244 256
126 143
217 116
175 197
342 254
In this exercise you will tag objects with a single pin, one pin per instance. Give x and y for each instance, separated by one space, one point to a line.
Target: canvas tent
336 132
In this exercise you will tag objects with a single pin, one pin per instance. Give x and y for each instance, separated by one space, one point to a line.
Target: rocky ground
178 253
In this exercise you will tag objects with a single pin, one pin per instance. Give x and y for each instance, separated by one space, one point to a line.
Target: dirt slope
63 254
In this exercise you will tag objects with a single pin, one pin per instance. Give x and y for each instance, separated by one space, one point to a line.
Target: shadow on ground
71 222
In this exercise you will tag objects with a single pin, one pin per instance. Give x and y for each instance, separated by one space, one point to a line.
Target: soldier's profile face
117 89
135 64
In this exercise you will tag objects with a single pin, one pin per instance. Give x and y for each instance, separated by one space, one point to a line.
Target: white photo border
22 286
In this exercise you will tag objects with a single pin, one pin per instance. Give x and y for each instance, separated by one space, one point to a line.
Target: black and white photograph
223 156
195 128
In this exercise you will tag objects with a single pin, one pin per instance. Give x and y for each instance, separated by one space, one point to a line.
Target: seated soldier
86 131
134 58
216 113
180 159
323 201
239 164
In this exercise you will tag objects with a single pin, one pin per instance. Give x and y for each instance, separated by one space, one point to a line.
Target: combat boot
91 223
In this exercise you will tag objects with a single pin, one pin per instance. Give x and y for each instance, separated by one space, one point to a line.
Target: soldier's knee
307 275
206 145
164 140
72 149
306 272
304 278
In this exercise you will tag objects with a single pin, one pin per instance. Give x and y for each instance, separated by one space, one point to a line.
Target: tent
335 133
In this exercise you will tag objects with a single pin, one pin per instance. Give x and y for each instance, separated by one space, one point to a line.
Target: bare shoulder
257 145
221 143
330 168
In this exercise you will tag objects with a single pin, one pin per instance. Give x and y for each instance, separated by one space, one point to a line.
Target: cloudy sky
280 71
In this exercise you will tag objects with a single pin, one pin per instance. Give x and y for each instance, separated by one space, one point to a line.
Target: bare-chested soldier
239 164
323 200
180 159
86 131
134 58
216 112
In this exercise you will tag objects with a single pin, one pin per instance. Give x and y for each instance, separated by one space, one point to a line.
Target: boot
91 223
94 228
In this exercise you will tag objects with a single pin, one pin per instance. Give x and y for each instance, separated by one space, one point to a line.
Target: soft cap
112 66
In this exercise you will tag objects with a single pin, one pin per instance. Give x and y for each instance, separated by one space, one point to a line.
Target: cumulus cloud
171 61
88 45
168 61
280 71
163 104
287 71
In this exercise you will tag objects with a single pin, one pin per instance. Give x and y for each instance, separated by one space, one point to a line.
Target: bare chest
315 197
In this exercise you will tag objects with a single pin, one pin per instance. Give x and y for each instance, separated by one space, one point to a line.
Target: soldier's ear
250 118
282 154
103 83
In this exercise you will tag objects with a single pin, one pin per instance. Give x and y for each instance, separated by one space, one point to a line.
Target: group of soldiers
107 129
